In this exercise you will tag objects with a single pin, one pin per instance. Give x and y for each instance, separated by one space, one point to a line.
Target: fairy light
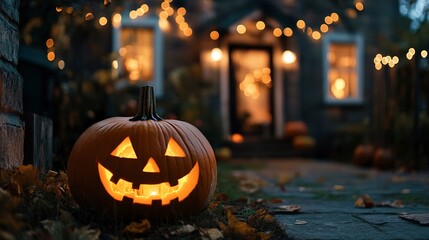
324 28
214 35
424 53
102 21
49 43
359 6
260 25
300 24
288 32
316 35
335 17
277 32
328 20
241 29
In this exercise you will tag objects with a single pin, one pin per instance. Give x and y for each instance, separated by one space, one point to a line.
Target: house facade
270 62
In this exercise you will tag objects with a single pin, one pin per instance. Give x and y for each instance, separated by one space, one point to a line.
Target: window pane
342 73
137 53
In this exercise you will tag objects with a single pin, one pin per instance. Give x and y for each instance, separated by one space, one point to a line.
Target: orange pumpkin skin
149 139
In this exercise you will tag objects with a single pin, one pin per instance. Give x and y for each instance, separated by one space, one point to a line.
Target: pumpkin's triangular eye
124 150
174 150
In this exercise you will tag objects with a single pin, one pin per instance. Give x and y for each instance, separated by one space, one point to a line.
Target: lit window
139 46
343 69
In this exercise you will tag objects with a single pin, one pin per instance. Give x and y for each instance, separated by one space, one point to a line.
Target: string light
214 35
260 25
241 29
288 32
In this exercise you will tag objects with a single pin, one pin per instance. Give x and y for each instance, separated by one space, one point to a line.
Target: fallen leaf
211 233
137 228
261 215
364 201
300 222
249 186
421 218
338 187
183 230
265 235
287 209
237 229
275 200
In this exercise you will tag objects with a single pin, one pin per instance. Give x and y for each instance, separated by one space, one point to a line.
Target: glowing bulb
61 64
359 6
214 35
316 35
288 57
277 32
288 32
260 25
324 28
424 53
412 51
241 29
335 17
51 56
300 24
116 20
49 43
102 21
216 54
115 64
328 20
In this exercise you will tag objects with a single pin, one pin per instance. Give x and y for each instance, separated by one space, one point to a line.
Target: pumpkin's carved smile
143 192
148 192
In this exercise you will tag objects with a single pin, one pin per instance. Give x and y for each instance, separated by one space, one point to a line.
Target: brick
9 40
10 8
11 84
12 141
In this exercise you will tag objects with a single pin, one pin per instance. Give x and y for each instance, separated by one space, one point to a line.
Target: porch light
288 57
216 54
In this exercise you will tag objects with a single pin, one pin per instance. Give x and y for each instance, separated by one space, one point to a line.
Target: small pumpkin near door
143 167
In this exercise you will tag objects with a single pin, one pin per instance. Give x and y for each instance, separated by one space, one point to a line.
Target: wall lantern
289 57
143 167
216 54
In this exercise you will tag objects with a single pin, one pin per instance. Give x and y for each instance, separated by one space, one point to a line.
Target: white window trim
146 22
343 38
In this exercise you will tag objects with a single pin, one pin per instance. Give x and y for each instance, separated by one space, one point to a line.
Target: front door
251 91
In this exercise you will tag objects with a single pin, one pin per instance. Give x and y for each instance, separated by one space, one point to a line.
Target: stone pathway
326 193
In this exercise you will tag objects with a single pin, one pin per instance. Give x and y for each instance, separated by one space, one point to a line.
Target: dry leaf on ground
237 229
138 228
365 201
211 233
287 209
185 229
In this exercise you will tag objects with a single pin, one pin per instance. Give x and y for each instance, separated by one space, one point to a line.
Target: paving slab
326 192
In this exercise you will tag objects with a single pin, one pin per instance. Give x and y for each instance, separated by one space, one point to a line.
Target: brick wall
11 126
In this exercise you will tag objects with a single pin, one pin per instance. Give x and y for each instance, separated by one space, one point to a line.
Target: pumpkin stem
147 105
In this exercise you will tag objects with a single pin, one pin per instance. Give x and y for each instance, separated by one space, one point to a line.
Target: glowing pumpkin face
144 167
142 192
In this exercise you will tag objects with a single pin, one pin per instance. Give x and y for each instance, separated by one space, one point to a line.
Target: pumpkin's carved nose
151 166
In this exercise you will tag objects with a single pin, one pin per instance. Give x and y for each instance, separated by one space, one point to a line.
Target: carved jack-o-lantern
142 167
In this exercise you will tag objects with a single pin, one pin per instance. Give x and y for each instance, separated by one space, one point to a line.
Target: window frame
343 38
143 22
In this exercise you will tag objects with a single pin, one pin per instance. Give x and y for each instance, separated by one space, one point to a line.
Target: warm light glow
123 51
181 11
163 15
102 21
145 7
89 16
378 65
335 17
179 19
69 10
385 60
324 28
300 24
163 24
174 150
260 25
309 31
288 57
237 138
391 63
379 56
165 5
151 166
328 20
241 29
424 53
115 64
51 56
58 9
187 32
339 88
412 51
49 43
183 26
133 14
61 64
277 32
216 54
288 32
316 35
409 55
359 6
140 12
116 20
214 35
146 193
395 59
124 150
170 11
